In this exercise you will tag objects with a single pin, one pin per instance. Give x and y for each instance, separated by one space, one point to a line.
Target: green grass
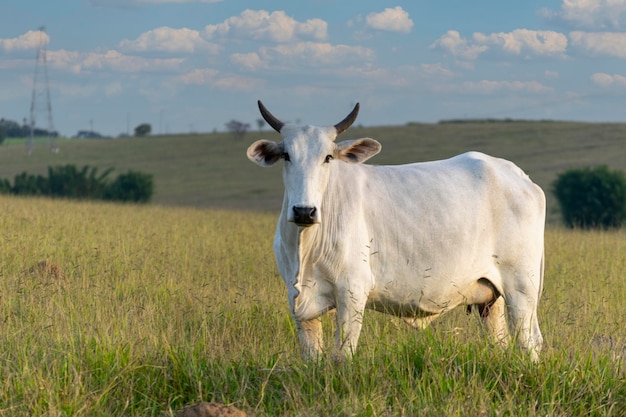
154 308
212 170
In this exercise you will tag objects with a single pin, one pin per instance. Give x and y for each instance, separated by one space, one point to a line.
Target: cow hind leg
491 309
420 323
523 323
311 338
493 317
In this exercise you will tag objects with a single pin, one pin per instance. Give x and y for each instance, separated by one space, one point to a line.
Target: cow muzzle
305 216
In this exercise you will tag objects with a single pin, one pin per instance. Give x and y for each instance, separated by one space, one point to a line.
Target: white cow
411 240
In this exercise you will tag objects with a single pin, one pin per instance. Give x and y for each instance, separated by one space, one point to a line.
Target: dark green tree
29 184
592 197
13 129
237 128
260 123
5 186
133 186
68 181
143 129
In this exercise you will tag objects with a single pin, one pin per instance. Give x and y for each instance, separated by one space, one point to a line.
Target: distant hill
211 170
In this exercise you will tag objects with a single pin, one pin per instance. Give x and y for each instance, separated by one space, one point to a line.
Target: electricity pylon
41 102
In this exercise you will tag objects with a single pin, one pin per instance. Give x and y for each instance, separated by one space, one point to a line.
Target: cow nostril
304 215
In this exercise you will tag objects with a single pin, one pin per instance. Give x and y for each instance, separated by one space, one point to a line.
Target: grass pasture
141 310
211 170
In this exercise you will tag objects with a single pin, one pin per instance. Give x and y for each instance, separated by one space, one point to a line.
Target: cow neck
325 240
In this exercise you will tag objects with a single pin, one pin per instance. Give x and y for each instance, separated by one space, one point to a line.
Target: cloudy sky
193 65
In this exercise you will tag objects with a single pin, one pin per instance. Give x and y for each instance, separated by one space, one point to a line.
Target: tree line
12 129
68 181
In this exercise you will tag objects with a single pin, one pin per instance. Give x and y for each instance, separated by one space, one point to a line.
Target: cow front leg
350 309
311 338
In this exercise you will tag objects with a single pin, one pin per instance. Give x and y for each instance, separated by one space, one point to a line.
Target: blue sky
194 65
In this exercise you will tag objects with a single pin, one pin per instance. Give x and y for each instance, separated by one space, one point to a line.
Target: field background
124 310
212 170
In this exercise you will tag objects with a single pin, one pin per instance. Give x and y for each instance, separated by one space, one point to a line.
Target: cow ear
265 152
358 150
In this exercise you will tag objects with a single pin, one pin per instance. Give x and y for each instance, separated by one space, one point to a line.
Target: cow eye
285 156
328 159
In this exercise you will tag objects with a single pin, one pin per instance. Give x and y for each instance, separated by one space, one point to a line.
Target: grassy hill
212 170
116 310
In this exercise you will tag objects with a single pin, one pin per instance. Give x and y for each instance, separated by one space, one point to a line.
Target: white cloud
589 14
79 91
234 83
607 80
370 77
437 70
365 72
198 76
313 28
459 47
88 89
522 42
535 42
262 25
111 60
391 19
29 40
488 86
177 1
15 63
316 53
600 43
250 61
113 89
135 3
211 78
166 39
551 74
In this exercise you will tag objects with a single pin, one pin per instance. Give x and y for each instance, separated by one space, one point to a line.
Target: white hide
412 240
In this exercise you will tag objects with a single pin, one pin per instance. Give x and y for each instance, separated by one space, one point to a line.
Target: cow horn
269 118
347 122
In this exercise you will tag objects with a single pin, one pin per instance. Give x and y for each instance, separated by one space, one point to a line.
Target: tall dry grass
113 310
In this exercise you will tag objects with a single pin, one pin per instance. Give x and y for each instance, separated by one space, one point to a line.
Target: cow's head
309 152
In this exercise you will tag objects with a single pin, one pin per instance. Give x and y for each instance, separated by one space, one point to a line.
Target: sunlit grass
150 309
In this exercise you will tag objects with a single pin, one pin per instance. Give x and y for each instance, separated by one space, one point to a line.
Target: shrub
133 186
592 198
69 182
29 184
5 186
